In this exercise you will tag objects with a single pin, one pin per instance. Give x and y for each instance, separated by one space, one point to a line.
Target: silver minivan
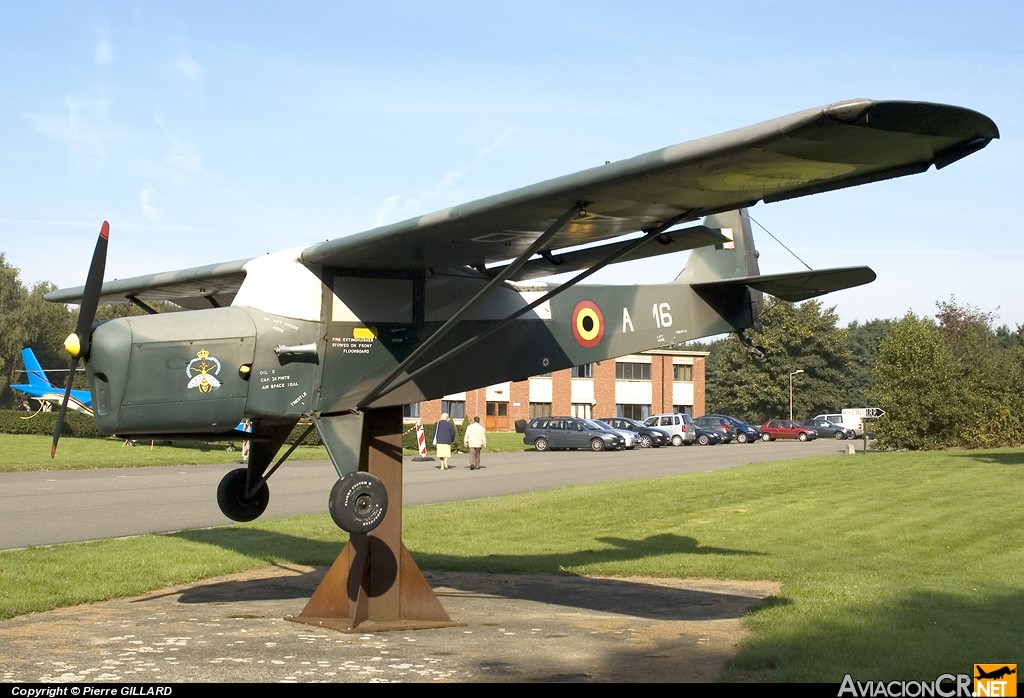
678 425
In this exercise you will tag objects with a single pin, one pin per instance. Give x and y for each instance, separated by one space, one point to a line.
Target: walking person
476 441
444 437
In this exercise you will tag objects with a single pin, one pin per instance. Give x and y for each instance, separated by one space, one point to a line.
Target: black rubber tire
541 444
645 441
703 440
741 438
840 436
765 437
358 502
802 437
677 440
234 503
596 445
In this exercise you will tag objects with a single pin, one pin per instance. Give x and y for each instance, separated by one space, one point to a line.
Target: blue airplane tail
40 388
36 375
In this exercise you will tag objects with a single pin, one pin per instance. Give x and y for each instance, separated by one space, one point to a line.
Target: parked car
629 436
679 426
786 429
855 424
550 433
745 433
706 437
827 429
647 437
720 425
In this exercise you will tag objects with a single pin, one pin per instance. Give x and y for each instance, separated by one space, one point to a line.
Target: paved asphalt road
65 506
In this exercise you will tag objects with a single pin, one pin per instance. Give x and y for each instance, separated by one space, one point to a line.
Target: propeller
77 343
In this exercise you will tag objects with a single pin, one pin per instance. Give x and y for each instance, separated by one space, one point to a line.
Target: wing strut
649 234
447 327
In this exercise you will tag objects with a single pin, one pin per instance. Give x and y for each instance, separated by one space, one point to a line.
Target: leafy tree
12 295
47 325
988 378
917 384
863 340
804 336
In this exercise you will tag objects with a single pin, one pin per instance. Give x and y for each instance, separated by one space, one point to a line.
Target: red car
786 429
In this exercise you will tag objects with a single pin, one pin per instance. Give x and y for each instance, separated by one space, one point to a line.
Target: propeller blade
59 425
77 344
91 294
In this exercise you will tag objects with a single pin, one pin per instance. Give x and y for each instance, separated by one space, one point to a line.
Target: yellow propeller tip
72 344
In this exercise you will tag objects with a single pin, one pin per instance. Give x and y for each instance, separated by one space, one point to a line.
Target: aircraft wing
839 145
196 288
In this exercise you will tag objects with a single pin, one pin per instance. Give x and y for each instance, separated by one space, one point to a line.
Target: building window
456 409
497 409
581 410
411 411
637 412
683 409
540 409
627 371
584 371
682 372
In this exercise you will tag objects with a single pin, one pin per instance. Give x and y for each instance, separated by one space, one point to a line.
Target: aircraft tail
36 376
727 277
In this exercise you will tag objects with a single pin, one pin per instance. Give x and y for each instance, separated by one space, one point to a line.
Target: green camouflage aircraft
344 333
453 300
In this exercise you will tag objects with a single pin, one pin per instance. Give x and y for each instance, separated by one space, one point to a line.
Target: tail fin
718 274
36 376
726 277
728 260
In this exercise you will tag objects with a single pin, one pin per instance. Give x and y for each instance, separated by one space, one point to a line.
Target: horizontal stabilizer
796 286
679 240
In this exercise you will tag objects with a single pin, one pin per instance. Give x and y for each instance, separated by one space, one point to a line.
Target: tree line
954 380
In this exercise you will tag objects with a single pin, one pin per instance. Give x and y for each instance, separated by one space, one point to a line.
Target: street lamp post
799 370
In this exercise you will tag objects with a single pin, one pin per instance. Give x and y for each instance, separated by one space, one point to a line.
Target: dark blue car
745 433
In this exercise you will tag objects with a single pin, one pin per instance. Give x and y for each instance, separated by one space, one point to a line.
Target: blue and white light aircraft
40 388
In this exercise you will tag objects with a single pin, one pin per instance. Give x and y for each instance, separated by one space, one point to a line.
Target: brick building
634 386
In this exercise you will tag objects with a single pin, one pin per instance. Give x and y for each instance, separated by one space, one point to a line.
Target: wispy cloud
448 180
104 52
149 210
181 160
81 127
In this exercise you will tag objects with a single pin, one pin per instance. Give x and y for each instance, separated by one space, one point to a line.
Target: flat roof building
636 386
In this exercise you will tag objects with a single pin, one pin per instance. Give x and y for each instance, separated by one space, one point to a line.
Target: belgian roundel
587 324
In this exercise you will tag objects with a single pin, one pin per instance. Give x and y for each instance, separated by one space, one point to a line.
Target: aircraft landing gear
358 502
757 353
236 502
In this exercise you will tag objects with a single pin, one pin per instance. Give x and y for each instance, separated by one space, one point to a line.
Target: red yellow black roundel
587 324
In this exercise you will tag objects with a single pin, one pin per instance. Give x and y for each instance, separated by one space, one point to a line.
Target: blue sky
208 132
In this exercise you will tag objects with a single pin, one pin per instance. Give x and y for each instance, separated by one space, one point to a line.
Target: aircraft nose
108 369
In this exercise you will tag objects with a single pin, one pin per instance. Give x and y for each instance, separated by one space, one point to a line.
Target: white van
680 427
852 419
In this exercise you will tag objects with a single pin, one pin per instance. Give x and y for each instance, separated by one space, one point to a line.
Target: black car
647 437
745 433
544 433
721 426
707 437
826 429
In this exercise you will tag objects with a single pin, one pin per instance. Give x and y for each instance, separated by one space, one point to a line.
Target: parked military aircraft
340 330
41 389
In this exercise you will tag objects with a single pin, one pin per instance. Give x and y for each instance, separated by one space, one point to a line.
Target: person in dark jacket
444 437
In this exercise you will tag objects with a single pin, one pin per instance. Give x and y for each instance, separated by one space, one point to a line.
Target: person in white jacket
476 441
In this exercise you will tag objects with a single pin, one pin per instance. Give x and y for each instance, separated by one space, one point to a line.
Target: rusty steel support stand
375 585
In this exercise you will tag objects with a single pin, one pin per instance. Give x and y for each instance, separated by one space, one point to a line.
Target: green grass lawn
22 453
892 566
